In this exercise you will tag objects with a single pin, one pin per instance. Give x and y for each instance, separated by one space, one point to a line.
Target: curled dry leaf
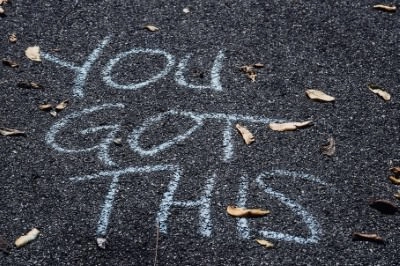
329 148
394 180
12 38
33 53
117 141
379 91
290 126
397 195
387 8
318 95
10 63
367 237
25 239
243 212
265 243
384 206
246 134
395 170
53 113
151 28
101 242
61 106
45 107
29 85
250 72
11 132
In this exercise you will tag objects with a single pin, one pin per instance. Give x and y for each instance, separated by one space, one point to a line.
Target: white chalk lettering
215 83
242 225
81 71
229 119
203 203
296 208
105 214
107 72
102 148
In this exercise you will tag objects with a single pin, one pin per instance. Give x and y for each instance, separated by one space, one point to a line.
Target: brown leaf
151 28
289 126
252 76
12 38
318 95
2 2
397 195
33 53
379 91
367 237
29 85
265 243
101 242
246 134
10 63
11 132
394 180
329 148
243 212
61 106
384 206
395 170
387 8
53 113
258 65
25 239
45 107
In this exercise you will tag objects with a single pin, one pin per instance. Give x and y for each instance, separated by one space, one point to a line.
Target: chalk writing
83 71
171 198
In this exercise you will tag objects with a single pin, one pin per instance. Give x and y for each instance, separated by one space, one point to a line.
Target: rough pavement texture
316 202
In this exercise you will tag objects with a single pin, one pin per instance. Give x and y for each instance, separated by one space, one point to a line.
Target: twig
157 238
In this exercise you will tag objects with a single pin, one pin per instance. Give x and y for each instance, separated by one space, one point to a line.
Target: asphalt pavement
135 156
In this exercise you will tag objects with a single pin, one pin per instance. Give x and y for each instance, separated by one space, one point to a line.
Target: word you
83 70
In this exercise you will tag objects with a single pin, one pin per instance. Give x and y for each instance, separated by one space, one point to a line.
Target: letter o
108 69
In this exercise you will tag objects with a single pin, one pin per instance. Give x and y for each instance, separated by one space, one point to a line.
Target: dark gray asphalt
173 98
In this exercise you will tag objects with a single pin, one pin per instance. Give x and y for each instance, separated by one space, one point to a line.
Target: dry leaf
379 91
318 95
265 243
387 8
246 134
252 76
53 113
397 195
29 85
2 11
289 126
186 10
45 107
12 38
367 237
394 180
10 63
395 170
329 148
151 28
61 106
4 245
117 141
101 242
384 206
243 212
3 2
30 236
258 65
11 132
33 53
